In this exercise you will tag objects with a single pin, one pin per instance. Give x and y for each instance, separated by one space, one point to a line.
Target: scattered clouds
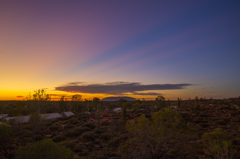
119 88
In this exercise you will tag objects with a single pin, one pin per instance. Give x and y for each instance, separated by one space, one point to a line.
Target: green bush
46 149
217 144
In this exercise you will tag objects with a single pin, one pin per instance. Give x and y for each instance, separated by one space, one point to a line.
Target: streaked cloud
148 93
119 88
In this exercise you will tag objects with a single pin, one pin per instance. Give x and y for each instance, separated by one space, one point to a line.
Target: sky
103 48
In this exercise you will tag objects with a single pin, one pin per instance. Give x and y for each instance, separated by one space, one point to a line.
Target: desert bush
48 123
76 131
37 137
90 125
61 119
99 131
106 136
114 143
222 122
27 133
59 138
74 121
203 115
218 144
68 144
54 127
53 120
79 148
44 149
149 136
202 107
89 136
69 126
71 133
204 125
81 130
26 140
105 123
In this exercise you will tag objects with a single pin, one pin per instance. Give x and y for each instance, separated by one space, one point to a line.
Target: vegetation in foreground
198 128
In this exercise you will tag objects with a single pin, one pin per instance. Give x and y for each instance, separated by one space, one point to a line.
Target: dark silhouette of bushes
90 125
89 136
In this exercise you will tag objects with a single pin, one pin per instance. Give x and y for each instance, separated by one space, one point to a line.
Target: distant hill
113 99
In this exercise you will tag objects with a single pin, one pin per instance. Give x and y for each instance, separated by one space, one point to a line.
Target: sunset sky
135 48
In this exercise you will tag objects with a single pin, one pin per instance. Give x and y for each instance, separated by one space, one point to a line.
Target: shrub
76 131
26 140
43 149
222 122
69 126
106 136
54 127
68 144
37 137
105 123
90 136
59 138
74 121
48 123
90 125
81 130
27 133
218 144
99 131
71 133
114 143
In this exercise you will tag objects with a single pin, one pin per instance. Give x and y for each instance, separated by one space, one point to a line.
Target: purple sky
50 44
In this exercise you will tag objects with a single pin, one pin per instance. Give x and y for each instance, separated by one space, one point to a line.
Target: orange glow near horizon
56 95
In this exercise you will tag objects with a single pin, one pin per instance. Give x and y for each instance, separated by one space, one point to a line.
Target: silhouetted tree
160 102
62 104
75 103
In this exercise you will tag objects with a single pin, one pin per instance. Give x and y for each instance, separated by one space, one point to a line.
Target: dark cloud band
118 88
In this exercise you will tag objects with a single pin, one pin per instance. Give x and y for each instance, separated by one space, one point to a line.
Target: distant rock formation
113 99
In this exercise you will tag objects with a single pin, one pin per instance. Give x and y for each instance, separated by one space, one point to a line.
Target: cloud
20 96
118 88
148 93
